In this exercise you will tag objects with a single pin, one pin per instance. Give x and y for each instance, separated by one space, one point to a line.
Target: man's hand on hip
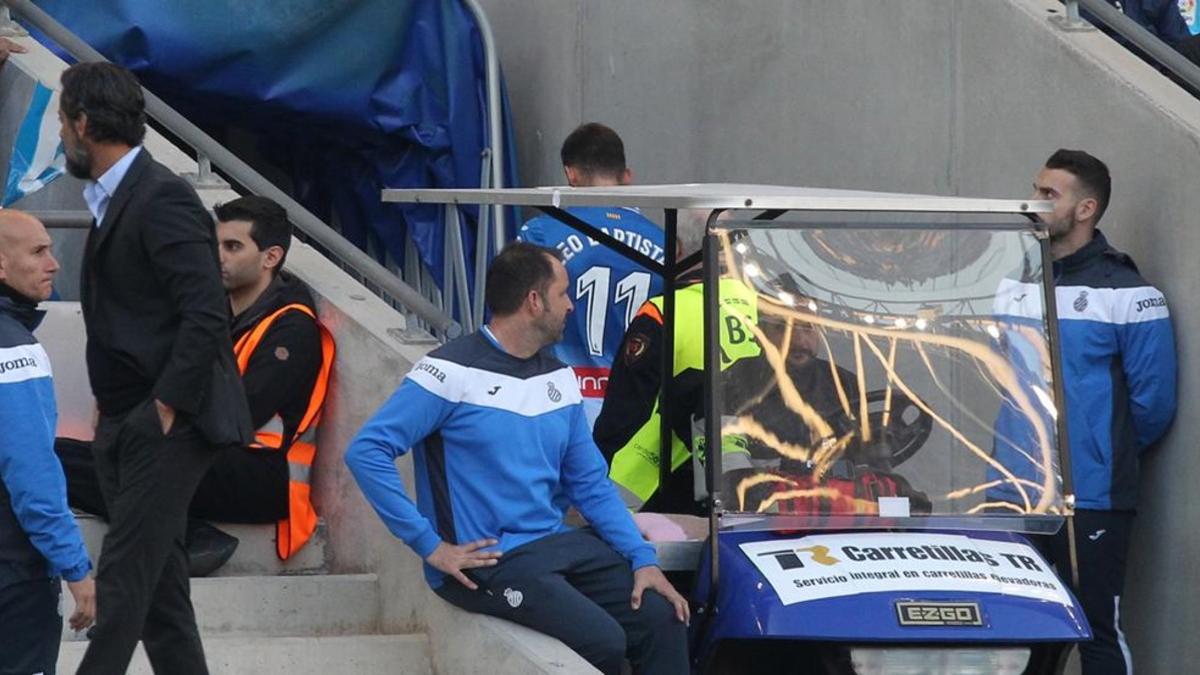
652 578
84 592
453 559
166 416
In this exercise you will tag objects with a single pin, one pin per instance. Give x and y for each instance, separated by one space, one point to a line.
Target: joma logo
1160 301
14 364
432 370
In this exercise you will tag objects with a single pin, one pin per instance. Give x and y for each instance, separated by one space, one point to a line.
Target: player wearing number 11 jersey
607 288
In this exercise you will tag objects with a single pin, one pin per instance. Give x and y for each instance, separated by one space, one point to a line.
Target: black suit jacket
156 313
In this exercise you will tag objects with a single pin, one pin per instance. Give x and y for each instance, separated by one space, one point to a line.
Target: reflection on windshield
884 388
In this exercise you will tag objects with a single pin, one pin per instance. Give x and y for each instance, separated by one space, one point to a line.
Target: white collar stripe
25 362
529 397
1083 303
1111 305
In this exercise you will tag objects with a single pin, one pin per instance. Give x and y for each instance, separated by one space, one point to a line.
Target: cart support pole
712 400
666 407
1050 296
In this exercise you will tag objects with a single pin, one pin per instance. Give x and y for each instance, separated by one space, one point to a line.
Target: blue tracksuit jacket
38 534
501 448
1119 375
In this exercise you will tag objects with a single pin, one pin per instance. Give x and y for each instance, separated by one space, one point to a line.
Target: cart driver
820 448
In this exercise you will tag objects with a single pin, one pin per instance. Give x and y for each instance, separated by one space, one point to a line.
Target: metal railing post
1071 20
495 116
205 178
482 243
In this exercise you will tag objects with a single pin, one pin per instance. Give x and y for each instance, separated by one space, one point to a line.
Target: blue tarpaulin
346 97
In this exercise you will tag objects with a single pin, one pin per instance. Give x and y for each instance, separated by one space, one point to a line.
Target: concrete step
255 554
360 654
297 606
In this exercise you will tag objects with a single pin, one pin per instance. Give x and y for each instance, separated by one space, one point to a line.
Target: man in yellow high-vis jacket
628 430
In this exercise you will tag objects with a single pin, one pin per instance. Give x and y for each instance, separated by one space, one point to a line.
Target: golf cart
890 444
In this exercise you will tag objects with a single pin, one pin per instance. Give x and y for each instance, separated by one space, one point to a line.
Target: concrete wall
945 96
799 93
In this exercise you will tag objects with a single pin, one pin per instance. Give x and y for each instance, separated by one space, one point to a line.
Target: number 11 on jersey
632 291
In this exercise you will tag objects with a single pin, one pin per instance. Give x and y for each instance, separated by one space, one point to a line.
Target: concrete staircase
261 616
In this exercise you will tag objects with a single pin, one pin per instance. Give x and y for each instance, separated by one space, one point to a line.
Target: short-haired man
160 363
608 287
39 540
284 357
1118 353
502 449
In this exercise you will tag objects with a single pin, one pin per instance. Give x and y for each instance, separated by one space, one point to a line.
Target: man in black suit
160 362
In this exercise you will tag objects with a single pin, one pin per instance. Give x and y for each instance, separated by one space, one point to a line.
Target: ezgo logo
789 559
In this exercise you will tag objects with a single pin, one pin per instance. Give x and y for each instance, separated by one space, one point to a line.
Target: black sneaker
208 548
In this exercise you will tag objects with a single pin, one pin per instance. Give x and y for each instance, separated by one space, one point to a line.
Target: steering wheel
907 429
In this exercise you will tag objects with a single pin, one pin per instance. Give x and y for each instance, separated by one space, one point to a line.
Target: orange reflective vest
293 532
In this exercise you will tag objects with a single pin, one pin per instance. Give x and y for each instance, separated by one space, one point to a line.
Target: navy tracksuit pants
1102 547
30 624
573 586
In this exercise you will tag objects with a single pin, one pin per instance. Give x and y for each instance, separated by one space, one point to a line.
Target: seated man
284 356
501 450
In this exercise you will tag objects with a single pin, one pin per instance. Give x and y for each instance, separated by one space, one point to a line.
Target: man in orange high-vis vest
284 356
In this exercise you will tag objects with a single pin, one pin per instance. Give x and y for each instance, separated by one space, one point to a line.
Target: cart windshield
883 375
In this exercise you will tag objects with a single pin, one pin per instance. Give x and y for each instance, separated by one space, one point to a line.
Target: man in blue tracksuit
1118 365
39 540
501 449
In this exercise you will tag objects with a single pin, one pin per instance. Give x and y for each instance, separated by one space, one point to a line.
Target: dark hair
1091 173
269 224
516 270
112 99
595 150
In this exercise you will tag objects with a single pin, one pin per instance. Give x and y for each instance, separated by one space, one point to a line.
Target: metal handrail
64 220
364 265
1137 35
495 116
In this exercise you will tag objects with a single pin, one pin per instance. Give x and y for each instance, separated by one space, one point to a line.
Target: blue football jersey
607 288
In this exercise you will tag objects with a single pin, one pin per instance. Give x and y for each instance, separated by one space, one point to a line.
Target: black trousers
1102 548
30 627
575 587
142 591
243 485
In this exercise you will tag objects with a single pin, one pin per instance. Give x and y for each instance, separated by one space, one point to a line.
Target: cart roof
719 196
